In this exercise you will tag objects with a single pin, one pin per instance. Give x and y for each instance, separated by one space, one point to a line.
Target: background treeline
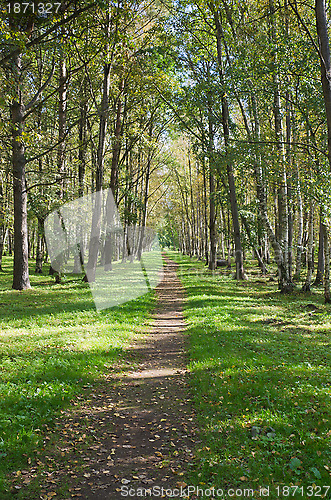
254 172
79 112
210 119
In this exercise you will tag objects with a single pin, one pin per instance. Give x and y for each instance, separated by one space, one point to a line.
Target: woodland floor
139 425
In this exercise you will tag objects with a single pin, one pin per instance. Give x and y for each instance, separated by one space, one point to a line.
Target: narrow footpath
151 440
135 431
147 422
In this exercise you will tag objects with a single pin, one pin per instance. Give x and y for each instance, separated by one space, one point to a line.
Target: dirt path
151 439
132 433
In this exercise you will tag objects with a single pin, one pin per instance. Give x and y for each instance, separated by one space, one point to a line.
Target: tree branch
42 88
39 38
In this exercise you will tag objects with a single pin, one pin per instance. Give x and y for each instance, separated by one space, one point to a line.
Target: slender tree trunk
206 246
82 134
324 45
40 246
255 249
298 263
327 295
113 179
288 158
62 124
117 141
320 264
62 112
240 275
21 280
282 194
306 287
289 186
285 284
212 222
229 239
144 209
2 234
2 224
91 265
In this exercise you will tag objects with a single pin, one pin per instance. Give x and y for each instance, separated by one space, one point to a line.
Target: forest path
145 427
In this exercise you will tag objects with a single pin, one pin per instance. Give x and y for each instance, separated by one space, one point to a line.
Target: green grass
53 343
259 360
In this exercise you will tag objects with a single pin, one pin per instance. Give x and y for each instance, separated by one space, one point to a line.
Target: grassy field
260 378
260 374
53 346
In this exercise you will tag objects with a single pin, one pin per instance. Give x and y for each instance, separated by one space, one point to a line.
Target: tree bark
324 45
306 287
62 109
240 274
21 280
205 214
40 246
212 222
282 194
299 247
113 177
320 264
2 234
285 284
82 134
327 295
94 243
2 224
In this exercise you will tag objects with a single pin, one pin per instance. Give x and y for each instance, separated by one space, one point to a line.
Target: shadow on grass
54 347
40 302
258 364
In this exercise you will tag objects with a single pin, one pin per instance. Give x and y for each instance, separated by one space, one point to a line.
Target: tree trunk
283 217
40 247
298 263
79 256
91 265
327 296
289 186
2 225
306 287
113 178
205 214
62 116
288 156
285 283
255 249
324 45
320 264
144 209
2 234
62 124
212 222
21 280
240 275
